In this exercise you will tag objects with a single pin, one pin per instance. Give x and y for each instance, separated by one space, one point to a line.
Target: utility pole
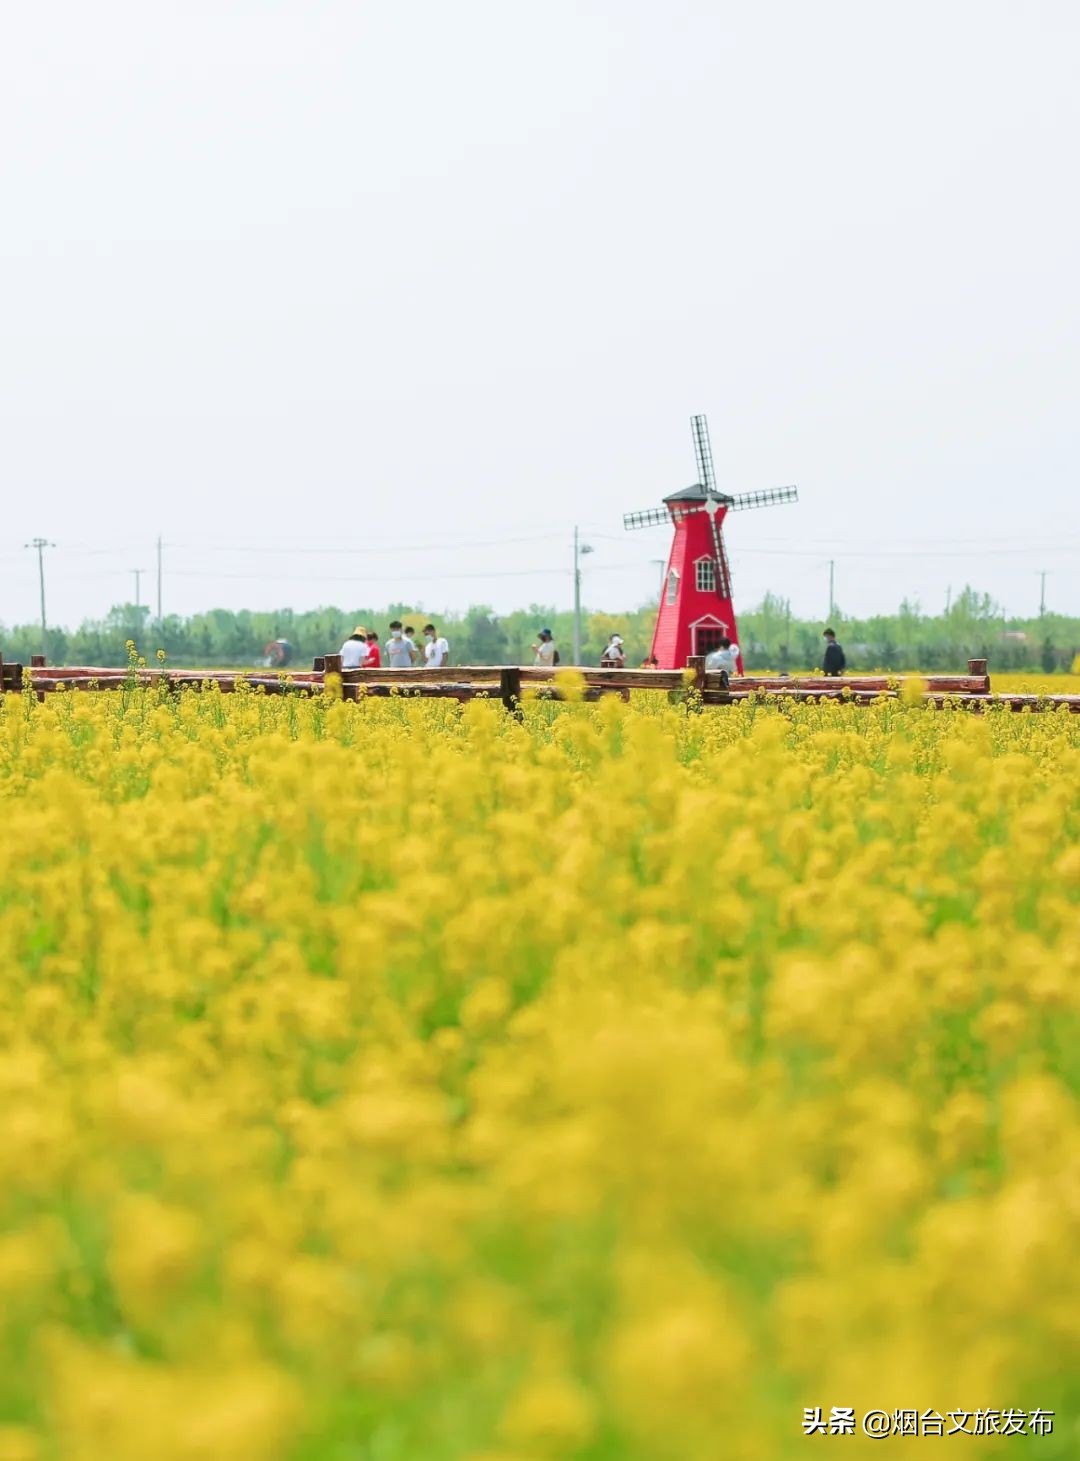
41 544
159 580
787 635
948 598
832 600
580 549
1042 593
138 572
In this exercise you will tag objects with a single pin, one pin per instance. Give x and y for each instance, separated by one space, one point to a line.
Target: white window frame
705 568
672 591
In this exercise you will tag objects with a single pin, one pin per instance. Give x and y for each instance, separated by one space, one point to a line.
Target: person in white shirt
436 649
614 656
354 651
400 650
724 657
544 652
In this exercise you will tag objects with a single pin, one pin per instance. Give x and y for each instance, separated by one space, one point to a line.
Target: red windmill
695 603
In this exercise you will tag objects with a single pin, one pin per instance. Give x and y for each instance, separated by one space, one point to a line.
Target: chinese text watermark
842 1420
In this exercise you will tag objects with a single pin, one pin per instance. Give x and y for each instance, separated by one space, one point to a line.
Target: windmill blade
652 517
769 498
723 568
703 451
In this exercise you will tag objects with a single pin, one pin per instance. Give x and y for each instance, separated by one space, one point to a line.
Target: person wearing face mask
436 649
400 650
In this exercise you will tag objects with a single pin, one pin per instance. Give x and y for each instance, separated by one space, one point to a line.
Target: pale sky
433 281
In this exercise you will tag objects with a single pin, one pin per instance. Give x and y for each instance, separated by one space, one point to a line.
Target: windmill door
706 635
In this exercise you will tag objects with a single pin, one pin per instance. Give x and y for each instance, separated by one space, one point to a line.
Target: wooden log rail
511 683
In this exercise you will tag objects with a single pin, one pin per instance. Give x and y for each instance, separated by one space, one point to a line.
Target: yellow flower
608 1078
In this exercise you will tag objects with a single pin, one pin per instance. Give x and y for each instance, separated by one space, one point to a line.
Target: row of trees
771 637
974 627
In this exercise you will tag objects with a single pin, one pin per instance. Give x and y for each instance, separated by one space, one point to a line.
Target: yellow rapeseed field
401 1082
1032 684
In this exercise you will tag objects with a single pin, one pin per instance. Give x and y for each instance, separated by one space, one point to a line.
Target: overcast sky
434 281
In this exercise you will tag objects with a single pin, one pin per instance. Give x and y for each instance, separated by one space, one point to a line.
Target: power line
903 553
942 547
363 578
964 544
291 549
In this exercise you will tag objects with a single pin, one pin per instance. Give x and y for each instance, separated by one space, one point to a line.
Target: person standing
724 657
354 651
834 661
374 656
436 649
614 656
723 660
400 650
545 655
410 635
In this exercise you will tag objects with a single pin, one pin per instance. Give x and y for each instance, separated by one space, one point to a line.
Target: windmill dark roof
696 493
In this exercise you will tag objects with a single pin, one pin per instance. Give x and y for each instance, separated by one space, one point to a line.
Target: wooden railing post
510 690
331 666
980 667
318 664
696 664
37 662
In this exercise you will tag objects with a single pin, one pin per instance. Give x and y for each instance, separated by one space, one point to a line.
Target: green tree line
771 637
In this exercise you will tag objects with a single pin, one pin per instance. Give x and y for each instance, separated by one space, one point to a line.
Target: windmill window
705 573
672 585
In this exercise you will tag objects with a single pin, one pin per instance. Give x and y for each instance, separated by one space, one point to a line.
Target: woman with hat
614 656
354 651
544 652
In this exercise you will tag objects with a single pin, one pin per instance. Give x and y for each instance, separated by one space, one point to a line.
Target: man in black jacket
834 661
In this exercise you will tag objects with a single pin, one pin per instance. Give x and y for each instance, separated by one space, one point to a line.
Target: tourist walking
354 651
545 655
400 649
614 656
374 655
834 661
436 649
724 657
723 660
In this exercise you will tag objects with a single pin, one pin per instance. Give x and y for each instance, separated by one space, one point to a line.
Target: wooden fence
511 683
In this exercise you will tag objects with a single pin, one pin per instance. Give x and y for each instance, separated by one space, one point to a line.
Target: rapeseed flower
405 1078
